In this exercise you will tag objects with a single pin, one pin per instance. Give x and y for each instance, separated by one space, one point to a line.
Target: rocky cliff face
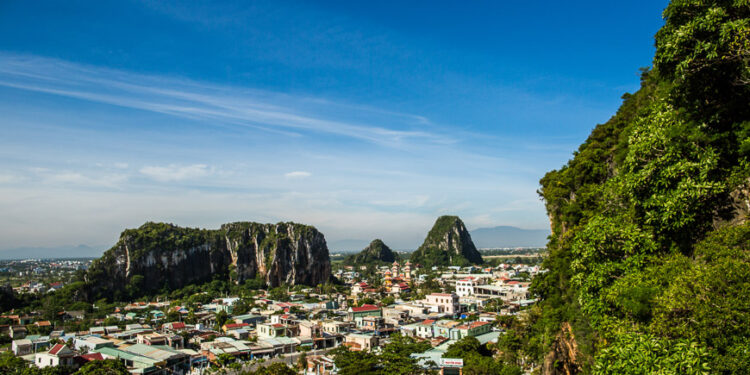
158 255
448 243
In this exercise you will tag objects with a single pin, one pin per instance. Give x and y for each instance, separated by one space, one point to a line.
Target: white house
59 355
465 286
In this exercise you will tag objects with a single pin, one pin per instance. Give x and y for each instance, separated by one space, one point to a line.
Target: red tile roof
428 322
365 308
177 325
93 357
236 325
441 294
56 349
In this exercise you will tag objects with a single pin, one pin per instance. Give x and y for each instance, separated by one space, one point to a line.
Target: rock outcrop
448 243
376 252
160 256
562 359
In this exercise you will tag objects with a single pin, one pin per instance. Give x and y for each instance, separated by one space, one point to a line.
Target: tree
221 319
387 301
277 368
105 367
394 358
478 358
355 362
302 361
279 293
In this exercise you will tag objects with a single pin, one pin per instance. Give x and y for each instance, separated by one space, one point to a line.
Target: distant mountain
448 244
506 236
80 251
375 252
347 245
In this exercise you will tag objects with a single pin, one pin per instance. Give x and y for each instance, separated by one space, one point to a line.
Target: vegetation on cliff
447 244
162 257
377 252
648 260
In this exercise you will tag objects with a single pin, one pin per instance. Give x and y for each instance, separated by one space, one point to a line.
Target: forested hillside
649 257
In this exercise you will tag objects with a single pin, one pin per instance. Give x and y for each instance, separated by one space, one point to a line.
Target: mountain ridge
160 255
447 243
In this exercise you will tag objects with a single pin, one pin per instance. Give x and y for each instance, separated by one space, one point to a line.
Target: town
300 327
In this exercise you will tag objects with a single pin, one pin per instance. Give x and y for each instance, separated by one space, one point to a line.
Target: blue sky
365 119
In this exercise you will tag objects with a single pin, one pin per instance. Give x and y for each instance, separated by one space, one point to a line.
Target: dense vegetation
649 253
163 256
12 365
376 253
447 244
393 359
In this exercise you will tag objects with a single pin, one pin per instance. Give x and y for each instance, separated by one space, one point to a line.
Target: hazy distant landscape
484 238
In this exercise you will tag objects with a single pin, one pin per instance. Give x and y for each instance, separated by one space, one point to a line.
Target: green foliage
277 368
279 293
375 254
447 244
704 47
12 365
355 362
394 358
104 279
646 354
105 367
478 358
648 243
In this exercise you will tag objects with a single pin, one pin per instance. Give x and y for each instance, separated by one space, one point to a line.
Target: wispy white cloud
176 172
117 179
81 180
10 178
214 104
297 174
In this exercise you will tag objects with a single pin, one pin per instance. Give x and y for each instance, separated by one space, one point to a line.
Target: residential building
58 355
359 341
365 310
444 302
271 330
21 347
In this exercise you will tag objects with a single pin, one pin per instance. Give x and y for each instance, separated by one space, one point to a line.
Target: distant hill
506 236
447 244
72 251
375 252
